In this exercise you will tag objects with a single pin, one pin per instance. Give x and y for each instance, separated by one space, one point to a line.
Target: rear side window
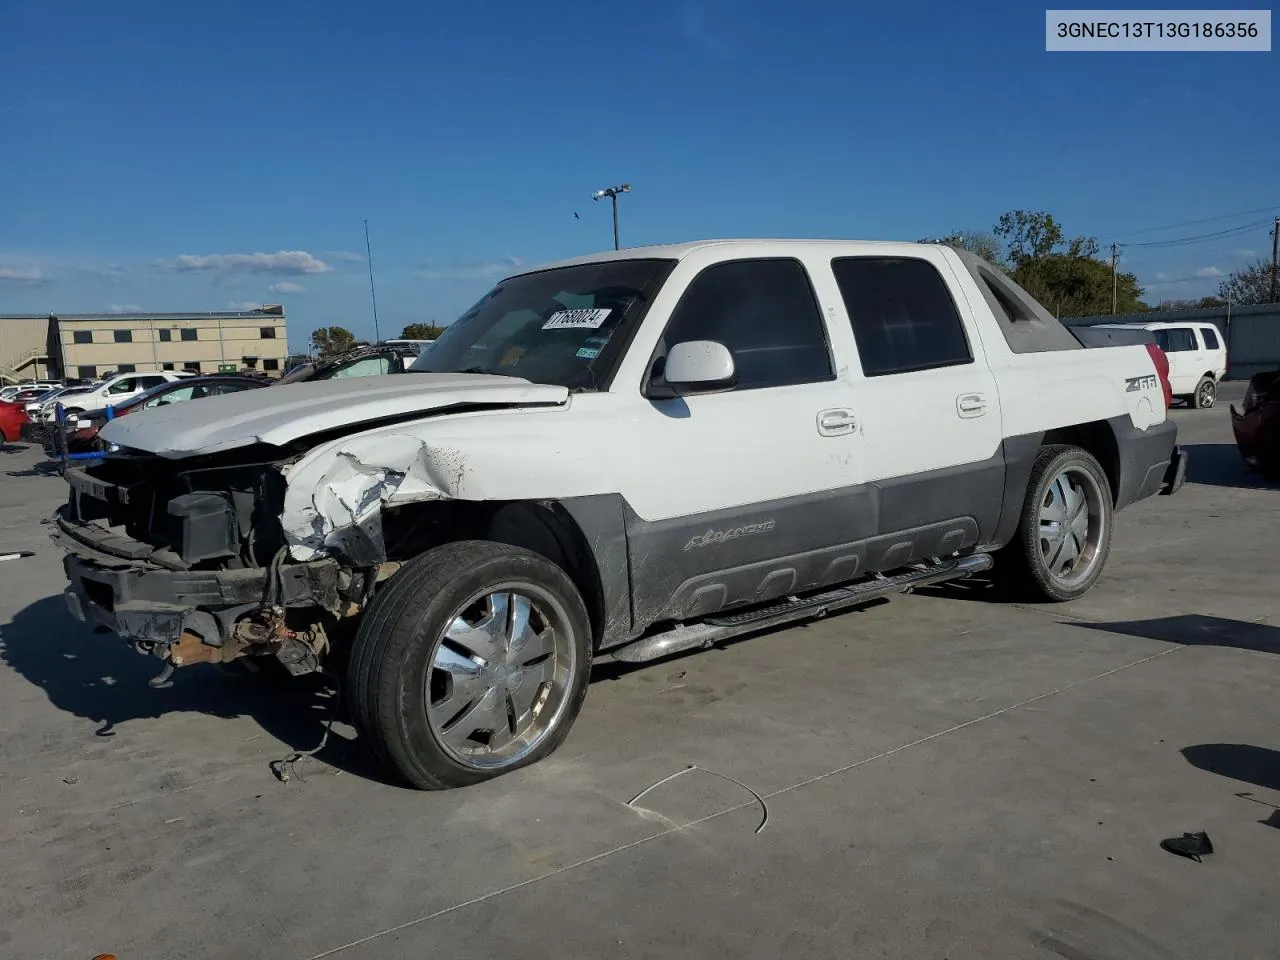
765 312
1176 340
1210 338
902 314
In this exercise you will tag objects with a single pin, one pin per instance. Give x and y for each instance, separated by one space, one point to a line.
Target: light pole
612 194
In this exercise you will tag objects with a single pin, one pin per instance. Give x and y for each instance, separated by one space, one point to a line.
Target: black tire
1205 396
1022 565
393 653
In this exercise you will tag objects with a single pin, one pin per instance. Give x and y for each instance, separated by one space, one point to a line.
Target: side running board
704 633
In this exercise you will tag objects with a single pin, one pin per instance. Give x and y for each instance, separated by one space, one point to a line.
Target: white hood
279 414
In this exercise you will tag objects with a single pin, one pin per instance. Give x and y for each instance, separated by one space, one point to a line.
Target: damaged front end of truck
264 550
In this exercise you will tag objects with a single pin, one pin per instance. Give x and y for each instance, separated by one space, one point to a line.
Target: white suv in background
1197 356
115 390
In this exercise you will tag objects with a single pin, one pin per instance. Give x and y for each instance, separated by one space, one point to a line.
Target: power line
1201 238
1192 223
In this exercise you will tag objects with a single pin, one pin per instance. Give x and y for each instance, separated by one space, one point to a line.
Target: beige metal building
88 345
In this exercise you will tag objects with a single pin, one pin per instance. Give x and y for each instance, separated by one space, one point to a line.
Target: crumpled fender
335 498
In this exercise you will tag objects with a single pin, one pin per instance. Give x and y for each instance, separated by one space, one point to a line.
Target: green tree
984 245
421 331
331 341
1251 284
1200 304
1077 286
1028 234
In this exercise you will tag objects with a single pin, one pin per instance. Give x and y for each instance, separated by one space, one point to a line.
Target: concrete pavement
944 776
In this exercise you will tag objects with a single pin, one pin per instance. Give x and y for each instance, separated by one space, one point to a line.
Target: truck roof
678 251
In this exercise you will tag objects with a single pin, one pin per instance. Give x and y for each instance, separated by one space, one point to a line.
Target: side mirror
698 365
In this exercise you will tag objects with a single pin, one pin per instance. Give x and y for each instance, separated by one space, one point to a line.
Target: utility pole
1275 260
373 294
1115 280
612 194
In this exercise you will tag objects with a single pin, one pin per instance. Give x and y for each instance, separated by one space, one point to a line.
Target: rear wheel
1206 394
1064 534
471 663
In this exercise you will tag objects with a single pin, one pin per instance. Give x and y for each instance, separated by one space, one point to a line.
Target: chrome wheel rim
1208 393
500 675
1072 525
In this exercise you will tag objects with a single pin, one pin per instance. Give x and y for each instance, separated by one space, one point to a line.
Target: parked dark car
373 361
82 435
1257 424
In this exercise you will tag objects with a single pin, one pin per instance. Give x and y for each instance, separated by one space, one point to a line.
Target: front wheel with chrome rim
1206 394
471 663
1064 534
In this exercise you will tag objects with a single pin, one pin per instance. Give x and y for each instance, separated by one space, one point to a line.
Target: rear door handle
970 405
838 422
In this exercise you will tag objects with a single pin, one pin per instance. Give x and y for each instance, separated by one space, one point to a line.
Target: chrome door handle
969 405
836 423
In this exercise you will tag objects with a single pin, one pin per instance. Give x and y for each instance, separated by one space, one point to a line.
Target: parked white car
1197 355
114 390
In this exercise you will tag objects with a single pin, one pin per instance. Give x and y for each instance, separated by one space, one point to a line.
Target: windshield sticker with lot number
566 319
588 353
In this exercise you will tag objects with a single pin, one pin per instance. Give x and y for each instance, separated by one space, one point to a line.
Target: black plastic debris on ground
1193 846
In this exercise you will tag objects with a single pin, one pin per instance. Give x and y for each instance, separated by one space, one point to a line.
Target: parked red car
1257 425
12 418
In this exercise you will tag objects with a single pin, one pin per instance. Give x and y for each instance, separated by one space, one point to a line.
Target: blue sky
174 156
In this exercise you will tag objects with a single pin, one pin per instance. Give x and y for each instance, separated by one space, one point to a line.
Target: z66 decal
1146 382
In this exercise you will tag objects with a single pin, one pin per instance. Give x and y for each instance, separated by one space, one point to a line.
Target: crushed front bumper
144 602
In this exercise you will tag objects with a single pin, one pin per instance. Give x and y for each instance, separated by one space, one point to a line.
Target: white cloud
124 308
286 286
470 269
285 262
244 305
23 275
1207 272
344 256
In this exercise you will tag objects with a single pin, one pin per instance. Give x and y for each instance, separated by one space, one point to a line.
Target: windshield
566 326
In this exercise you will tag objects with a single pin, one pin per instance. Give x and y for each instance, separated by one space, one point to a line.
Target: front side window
568 326
127 385
1176 340
902 314
765 312
1210 338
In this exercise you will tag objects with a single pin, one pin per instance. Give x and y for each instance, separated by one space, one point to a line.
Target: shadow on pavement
99 678
1239 761
1196 630
1220 465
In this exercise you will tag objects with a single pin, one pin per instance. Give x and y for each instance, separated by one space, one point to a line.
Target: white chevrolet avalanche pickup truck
624 455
